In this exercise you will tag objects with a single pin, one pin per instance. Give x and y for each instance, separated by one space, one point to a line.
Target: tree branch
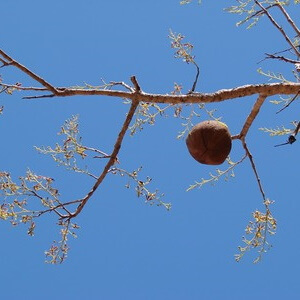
218 96
122 84
288 18
21 88
43 82
196 78
285 59
254 169
289 103
39 97
54 208
111 161
254 112
135 83
4 63
278 27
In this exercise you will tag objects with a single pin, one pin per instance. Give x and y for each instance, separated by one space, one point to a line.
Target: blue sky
126 249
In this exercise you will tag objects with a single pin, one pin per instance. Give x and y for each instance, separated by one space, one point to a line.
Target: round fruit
209 142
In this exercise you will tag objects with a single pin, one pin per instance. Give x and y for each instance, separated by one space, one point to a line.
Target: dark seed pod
209 142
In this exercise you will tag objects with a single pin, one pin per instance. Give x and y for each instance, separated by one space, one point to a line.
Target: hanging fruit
209 142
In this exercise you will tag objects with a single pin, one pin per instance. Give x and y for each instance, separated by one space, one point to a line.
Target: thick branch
218 96
138 94
254 112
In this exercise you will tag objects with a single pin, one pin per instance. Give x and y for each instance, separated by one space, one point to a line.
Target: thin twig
4 63
39 97
257 13
289 103
235 137
3 90
39 213
254 169
214 178
297 129
23 88
292 138
35 194
30 73
288 18
283 51
128 87
32 88
275 55
278 27
53 195
104 155
111 161
196 79
292 61
96 150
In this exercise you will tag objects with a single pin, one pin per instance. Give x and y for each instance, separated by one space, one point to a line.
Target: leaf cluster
262 225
